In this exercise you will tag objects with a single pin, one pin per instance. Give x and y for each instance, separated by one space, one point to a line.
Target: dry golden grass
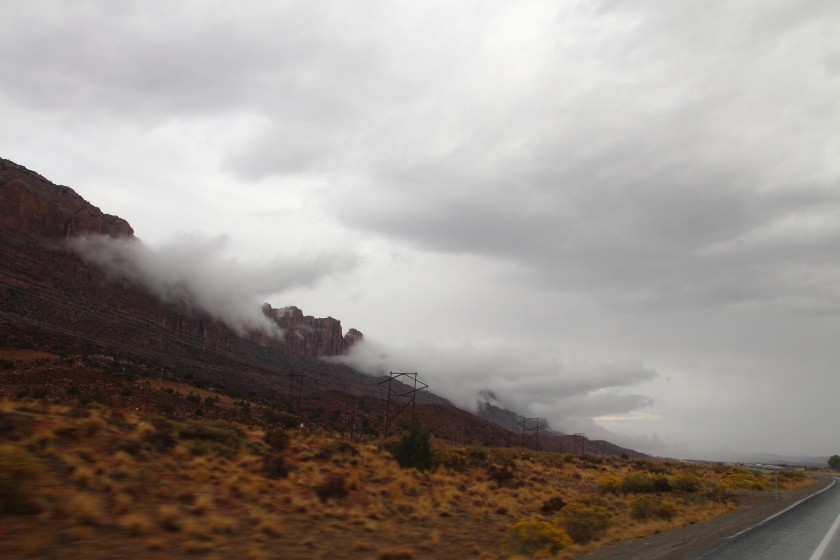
136 523
135 483
87 508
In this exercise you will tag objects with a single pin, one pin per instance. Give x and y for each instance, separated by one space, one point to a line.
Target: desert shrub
217 437
638 483
135 523
685 482
476 456
333 487
335 447
719 495
791 475
414 450
96 397
552 505
289 422
584 522
652 507
87 508
18 469
450 458
695 500
274 465
15 427
205 447
67 432
502 475
661 484
277 439
658 469
746 480
167 409
536 536
610 484
395 554
161 437
169 517
645 483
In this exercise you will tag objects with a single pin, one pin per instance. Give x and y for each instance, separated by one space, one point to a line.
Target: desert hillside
117 482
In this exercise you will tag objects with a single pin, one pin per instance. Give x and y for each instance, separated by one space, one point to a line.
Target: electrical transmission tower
531 432
579 444
295 393
402 392
350 417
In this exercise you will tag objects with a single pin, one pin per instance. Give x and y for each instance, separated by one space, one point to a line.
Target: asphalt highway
809 530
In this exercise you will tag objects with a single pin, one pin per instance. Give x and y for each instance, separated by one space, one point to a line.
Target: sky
621 216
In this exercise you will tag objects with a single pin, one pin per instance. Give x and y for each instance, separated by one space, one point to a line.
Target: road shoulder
693 540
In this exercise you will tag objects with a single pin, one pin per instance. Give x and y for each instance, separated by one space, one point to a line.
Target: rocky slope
50 297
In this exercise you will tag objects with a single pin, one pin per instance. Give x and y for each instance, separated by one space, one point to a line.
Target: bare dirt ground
693 540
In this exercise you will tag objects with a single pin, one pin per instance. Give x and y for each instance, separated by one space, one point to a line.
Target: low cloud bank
527 379
195 270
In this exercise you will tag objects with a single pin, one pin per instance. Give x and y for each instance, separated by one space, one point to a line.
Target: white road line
787 509
827 539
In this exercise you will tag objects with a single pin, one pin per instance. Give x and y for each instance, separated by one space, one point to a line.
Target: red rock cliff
31 205
311 336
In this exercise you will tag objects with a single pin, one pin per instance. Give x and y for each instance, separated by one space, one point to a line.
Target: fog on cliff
197 271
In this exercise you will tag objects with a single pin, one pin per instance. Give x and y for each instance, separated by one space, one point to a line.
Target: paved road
808 531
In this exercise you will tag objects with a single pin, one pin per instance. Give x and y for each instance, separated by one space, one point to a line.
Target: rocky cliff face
34 212
311 336
30 205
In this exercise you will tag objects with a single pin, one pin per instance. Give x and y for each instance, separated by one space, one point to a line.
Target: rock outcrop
31 205
311 336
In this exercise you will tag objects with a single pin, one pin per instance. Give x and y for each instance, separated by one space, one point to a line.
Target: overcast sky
621 216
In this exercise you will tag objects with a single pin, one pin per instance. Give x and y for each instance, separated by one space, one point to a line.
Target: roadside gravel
693 540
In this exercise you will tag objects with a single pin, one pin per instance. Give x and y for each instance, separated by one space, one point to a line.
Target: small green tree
834 462
414 450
